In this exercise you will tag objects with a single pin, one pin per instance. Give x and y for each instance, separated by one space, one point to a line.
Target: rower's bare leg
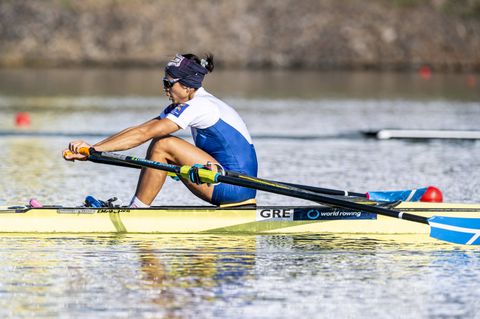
171 150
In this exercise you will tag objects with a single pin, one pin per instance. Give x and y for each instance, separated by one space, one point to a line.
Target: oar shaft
101 160
292 192
321 190
140 162
329 191
314 189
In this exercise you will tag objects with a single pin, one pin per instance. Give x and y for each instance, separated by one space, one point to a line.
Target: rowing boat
211 219
344 212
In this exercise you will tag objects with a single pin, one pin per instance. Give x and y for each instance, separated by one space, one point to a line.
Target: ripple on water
236 276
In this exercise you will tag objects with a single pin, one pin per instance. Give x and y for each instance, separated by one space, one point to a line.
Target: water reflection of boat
179 270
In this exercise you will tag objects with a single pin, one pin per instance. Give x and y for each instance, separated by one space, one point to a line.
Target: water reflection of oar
450 229
430 193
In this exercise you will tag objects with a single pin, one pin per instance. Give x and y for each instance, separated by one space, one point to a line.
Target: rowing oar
423 194
450 229
94 157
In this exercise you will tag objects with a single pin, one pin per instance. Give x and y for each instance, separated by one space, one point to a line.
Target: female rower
220 136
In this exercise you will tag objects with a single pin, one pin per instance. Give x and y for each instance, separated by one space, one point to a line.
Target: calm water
306 128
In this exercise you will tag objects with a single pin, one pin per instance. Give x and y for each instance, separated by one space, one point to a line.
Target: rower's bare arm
137 135
126 139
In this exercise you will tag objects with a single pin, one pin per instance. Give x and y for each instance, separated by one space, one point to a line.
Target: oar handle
83 151
67 153
87 151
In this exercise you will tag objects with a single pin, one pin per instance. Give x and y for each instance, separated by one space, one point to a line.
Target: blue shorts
226 194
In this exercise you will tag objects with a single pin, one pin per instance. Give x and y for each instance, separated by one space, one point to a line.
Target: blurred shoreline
235 84
377 35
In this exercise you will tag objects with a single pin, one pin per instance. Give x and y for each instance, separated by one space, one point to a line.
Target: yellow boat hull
287 220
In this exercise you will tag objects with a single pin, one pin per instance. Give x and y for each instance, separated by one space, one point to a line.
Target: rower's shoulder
204 98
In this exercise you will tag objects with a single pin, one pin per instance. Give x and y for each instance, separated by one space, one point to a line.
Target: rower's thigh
180 152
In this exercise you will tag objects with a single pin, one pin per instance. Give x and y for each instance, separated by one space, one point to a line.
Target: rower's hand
72 152
69 156
75 146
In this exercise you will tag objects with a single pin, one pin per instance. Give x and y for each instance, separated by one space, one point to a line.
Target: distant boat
386 134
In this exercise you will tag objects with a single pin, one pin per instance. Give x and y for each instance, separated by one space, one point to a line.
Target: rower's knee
160 147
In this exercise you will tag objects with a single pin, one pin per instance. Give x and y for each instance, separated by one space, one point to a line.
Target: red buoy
471 81
425 72
22 119
432 194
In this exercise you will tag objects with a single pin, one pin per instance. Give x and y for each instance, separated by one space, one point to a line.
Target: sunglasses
167 83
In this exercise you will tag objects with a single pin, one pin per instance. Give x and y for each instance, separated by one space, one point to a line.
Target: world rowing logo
332 214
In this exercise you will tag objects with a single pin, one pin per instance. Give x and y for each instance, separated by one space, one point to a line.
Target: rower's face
178 93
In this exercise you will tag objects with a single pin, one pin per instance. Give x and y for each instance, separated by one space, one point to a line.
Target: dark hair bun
207 62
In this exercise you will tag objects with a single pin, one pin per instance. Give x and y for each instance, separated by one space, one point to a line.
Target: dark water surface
306 128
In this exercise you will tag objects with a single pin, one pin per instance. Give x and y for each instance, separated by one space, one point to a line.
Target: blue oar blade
465 231
408 195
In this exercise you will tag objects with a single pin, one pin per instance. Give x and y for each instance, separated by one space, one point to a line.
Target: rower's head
184 75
